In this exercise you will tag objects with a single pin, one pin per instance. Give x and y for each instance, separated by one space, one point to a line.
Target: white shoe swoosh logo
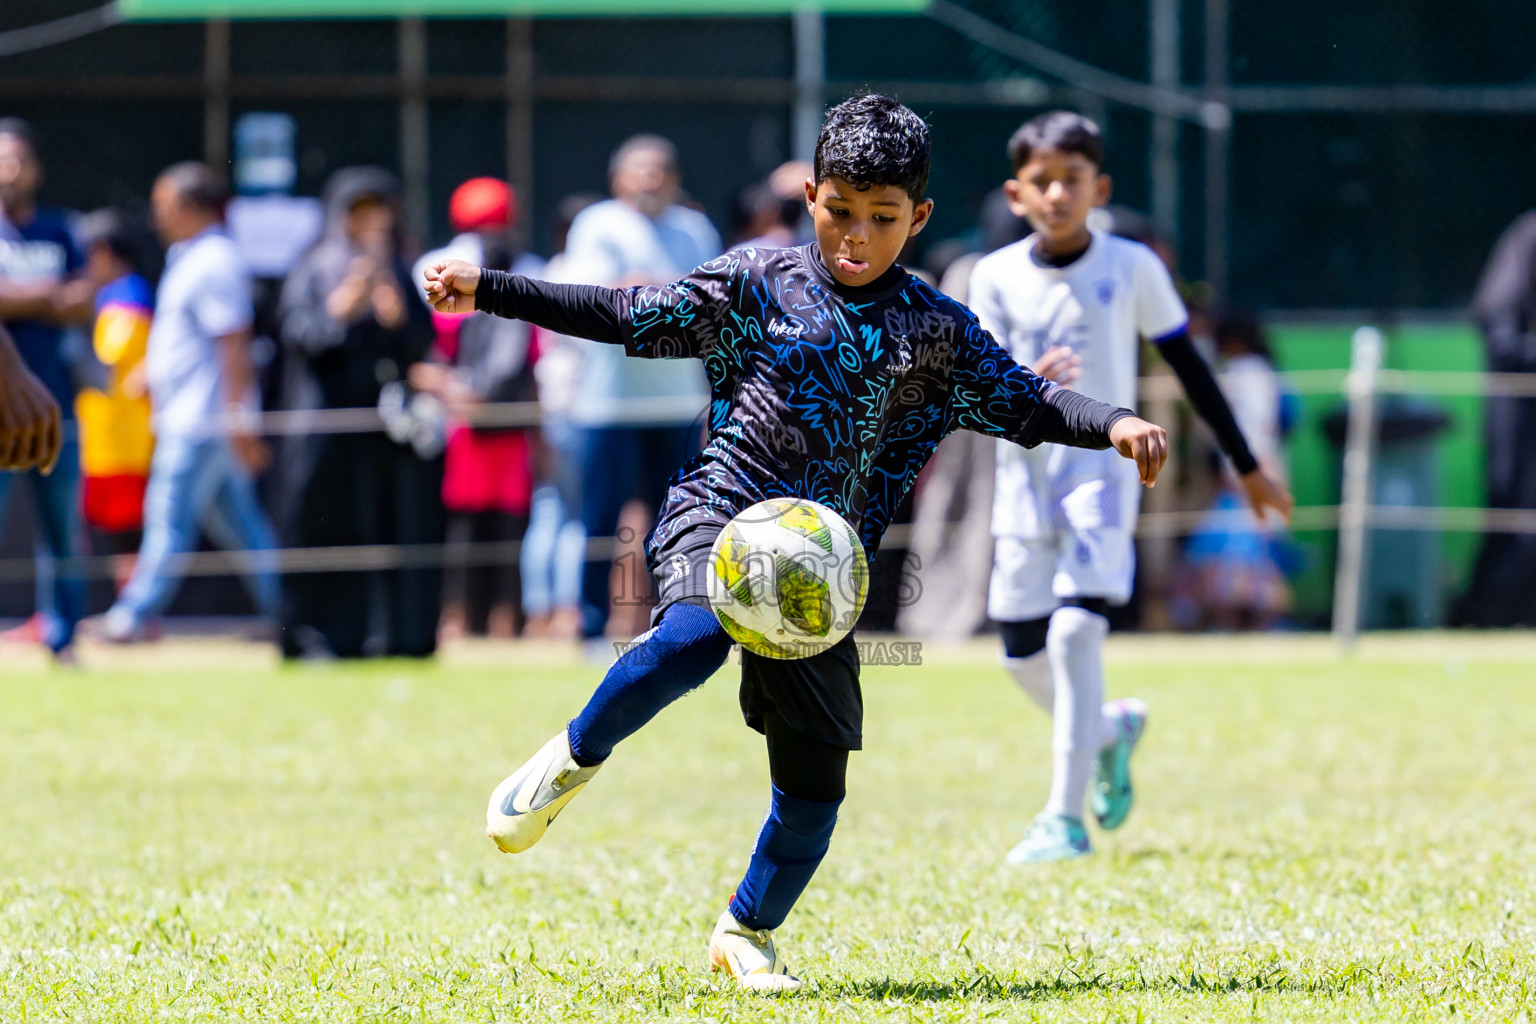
520 800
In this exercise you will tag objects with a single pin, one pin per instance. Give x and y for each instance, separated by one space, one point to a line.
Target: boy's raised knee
687 634
1072 626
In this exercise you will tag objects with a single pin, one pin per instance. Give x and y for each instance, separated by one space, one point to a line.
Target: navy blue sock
793 840
684 649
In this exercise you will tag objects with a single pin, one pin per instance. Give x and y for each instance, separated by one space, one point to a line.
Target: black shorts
818 696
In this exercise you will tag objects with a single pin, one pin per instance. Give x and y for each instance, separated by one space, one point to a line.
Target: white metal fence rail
1355 517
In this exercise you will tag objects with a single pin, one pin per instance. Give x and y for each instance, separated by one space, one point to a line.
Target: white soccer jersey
1100 306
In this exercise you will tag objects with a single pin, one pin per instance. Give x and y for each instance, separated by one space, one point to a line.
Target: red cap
482 203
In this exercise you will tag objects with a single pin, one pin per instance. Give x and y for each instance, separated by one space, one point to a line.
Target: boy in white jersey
1074 304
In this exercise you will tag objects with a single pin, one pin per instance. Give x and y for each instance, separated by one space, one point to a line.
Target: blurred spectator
115 439
353 332
1125 222
1252 387
1503 588
202 390
639 237
787 183
40 292
772 215
952 260
939 593
1232 575
554 549
478 358
757 221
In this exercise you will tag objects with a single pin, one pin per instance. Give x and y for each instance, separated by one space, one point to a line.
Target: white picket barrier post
1355 500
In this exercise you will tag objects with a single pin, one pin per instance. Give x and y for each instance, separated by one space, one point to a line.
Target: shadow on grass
985 984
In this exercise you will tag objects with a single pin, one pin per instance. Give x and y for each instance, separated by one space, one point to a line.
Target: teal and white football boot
1111 795
1051 837
526 802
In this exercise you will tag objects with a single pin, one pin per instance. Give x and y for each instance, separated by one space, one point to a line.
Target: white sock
1074 646
1109 726
1033 674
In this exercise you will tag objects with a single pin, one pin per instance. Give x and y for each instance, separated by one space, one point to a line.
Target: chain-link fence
1306 157
1372 154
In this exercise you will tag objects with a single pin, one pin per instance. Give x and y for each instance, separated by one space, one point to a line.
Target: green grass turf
199 835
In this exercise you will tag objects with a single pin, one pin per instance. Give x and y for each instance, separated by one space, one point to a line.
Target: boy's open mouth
851 266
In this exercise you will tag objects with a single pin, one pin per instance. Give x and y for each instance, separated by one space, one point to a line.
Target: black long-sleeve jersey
818 390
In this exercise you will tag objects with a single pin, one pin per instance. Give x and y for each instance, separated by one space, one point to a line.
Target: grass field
191 833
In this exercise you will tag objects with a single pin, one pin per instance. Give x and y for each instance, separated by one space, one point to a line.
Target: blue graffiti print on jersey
819 390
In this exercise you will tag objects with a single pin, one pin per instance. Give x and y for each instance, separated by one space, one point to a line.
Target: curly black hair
871 140
1057 129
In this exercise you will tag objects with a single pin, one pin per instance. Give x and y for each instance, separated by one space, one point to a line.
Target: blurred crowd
165 366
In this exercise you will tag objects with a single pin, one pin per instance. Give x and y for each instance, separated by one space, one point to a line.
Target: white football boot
526 802
748 956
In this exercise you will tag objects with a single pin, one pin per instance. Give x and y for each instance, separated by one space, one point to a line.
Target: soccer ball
788 578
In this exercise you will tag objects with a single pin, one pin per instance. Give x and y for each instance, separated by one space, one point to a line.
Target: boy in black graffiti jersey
834 374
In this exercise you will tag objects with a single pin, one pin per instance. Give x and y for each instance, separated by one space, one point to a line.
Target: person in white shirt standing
202 390
1074 304
640 418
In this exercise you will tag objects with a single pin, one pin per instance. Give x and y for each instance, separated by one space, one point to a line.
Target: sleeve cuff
485 291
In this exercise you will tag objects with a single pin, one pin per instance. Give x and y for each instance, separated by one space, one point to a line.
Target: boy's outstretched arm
1263 489
680 320
992 394
1144 443
1070 418
583 311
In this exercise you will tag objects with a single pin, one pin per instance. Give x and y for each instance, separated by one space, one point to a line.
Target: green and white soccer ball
788 578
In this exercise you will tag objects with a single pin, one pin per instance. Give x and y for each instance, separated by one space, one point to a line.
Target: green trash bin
1404 586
